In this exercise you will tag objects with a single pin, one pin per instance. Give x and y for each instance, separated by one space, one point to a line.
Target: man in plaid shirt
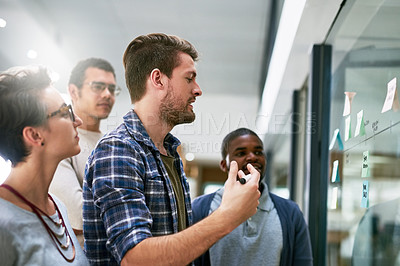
137 206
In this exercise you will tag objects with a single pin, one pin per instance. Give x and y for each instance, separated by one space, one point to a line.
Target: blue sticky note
339 141
365 195
336 137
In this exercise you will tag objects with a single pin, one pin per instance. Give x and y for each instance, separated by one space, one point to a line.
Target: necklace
54 236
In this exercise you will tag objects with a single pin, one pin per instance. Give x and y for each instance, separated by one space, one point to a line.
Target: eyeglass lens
71 113
63 110
99 87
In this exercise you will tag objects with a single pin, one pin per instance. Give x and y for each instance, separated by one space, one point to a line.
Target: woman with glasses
37 131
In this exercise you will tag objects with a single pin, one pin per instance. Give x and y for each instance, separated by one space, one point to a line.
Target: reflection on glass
377 241
364 205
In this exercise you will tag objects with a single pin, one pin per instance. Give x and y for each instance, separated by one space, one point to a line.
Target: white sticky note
334 199
347 102
391 100
347 131
360 128
333 140
335 172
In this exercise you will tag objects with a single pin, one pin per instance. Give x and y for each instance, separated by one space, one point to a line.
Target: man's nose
78 121
251 157
197 91
106 93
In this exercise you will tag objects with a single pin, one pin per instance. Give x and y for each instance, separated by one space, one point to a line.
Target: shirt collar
136 129
265 201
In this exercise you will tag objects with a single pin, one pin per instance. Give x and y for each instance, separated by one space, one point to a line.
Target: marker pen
245 179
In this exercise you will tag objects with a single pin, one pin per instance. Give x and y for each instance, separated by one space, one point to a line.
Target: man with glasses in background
92 88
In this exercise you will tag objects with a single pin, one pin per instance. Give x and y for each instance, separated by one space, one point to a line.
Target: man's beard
175 112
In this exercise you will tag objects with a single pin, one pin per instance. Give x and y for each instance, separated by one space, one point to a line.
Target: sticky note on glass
365 195
334 199
360 128
335 172
391 101
347 102
365 172
347 130
336 136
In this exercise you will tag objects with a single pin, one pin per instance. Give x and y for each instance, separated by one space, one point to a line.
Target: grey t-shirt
257 241
25 241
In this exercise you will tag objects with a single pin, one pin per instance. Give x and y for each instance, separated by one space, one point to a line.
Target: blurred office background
278 67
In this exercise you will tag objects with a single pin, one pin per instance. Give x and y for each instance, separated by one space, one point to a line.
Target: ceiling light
189 156
288 24
32 54
3 23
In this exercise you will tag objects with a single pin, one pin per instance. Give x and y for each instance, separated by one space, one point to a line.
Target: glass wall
363 220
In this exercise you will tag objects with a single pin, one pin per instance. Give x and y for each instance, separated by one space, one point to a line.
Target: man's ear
32 136
223 166
156 78
73 92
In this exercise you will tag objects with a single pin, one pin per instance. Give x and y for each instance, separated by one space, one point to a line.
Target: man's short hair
77 76
148 52
21 105
233 135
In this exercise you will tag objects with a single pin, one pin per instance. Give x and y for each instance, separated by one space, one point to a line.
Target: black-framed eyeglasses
99 87
64 110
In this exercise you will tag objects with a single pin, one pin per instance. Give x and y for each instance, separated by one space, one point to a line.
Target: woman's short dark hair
233 135
21 106
147 52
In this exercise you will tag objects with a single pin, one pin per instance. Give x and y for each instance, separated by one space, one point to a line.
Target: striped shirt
127 195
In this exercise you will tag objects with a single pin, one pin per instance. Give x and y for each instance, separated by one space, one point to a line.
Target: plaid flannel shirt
127 195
